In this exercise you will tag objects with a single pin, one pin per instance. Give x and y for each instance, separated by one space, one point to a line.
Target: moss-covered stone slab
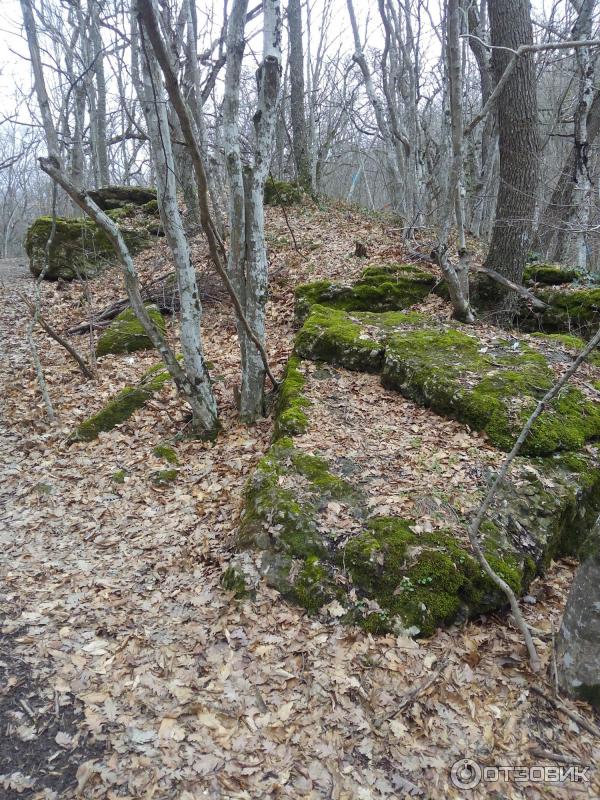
551 274
574 311
338 338
79 249
493 391
126 334
122 406
391 287
290 415
111 197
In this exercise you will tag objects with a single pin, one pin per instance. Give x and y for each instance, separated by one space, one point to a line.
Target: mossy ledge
122 406
493 391
551 274
390 287
290 414
491 388
126 333
387 577
576 311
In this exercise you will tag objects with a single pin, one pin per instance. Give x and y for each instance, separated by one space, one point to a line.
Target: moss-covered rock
126 334
576 311
422 582
111 197
290 415
122 406
387 576
551 274
336 337
493 391
380 288
79 249
282 193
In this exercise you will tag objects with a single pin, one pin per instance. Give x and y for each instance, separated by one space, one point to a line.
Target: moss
166 452
311 587
380 288
570 342
282 193
492 392
126 334
163 476
577 310
233 581
115 197
333 336
119 476
122 406
427 580
290 418
550 274
79 249
151 207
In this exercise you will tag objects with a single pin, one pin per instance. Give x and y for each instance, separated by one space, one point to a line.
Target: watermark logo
467 774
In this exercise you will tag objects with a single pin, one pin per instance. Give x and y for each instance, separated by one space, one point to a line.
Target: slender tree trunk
457 277
157 123
98 117
510 26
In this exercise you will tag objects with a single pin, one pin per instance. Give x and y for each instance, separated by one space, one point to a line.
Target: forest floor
127 671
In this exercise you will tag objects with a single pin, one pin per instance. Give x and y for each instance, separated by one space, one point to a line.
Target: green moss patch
126 333
493 391
162 477
80 249
334 336
571 311
551 274
122 406
290 414
167 453
425 581
282 193
380 288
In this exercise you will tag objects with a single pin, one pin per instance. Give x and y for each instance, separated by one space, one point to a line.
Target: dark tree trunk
510 26
299 138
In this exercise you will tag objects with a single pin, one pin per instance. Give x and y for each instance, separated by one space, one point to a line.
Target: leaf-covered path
127 671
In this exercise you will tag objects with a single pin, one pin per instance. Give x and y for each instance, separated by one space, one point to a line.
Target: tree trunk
299 138
510 26
577 646
157 123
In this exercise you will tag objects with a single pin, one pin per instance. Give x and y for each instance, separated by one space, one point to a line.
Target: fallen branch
53 334
516 287
553 701
473 530
162 292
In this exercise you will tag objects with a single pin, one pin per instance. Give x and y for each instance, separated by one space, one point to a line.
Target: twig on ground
86 370
560 706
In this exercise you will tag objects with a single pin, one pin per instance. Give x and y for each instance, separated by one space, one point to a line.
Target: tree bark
510 26
299 137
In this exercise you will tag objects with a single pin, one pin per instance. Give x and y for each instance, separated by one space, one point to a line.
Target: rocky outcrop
380 288
126 333
80 249
386 573
390 573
